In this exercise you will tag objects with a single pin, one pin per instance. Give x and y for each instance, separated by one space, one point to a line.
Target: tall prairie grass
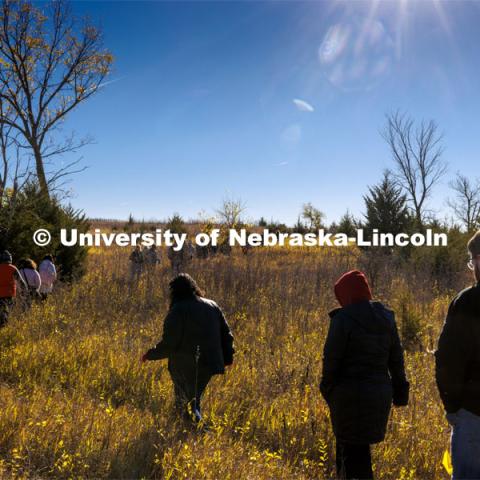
75 400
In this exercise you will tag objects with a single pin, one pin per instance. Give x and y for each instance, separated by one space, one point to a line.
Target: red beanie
352 287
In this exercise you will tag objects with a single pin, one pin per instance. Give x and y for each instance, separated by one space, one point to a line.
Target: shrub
445 264
30 210
411 322
176 224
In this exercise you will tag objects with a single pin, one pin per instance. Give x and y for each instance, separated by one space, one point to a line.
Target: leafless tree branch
417 153
49 64
466 204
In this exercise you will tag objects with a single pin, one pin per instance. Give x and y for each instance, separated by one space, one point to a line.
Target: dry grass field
75 401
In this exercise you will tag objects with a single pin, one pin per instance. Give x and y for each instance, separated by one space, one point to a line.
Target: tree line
399 202
52 61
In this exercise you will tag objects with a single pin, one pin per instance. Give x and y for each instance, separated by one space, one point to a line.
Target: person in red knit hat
363 373
352 287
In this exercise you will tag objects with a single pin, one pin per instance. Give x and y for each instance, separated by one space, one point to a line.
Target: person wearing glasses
458 372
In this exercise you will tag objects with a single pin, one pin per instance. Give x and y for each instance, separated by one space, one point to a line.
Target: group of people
148 258
179 259
31 282
363 365
363 361
141 260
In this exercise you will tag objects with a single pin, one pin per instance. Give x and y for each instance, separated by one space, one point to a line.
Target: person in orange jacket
9 276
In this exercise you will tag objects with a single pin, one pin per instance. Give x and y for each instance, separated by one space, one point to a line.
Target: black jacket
363 371
458 354
196 323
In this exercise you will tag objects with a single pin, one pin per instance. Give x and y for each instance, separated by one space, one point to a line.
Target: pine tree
387 208
348 224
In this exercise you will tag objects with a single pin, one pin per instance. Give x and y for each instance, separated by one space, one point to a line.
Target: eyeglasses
471 262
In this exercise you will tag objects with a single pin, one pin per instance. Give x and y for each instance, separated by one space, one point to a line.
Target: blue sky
201 104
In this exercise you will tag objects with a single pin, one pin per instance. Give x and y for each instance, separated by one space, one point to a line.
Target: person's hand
144 358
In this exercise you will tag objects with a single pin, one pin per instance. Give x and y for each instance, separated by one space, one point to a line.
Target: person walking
363 373
9 277
197 342
136 264
151 258
48 276
28 271
177 260
457 362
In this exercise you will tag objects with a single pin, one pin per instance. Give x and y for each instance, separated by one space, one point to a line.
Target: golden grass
76 402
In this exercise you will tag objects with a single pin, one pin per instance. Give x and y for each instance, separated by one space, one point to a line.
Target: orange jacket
8 285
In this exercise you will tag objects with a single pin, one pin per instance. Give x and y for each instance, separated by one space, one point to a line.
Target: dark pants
5 305
29 297
354 461
189 386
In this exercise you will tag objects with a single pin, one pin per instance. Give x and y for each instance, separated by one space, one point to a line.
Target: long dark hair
183 287
27 263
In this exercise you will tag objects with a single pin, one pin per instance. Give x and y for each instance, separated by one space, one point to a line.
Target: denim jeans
189 386
465 445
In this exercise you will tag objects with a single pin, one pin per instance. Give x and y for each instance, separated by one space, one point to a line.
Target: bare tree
13 174
466 204
417 152
231 210
313 216
5 144
49 64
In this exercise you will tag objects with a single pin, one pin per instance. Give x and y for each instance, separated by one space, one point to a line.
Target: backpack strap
26 278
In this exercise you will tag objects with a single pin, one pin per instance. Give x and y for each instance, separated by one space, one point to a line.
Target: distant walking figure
363 372
197 342
48 275
151 258
28 271
177 260
136 264
9 276
458 372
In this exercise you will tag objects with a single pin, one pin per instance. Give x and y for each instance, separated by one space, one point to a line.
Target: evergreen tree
30 211
386 208
176 224
348 225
